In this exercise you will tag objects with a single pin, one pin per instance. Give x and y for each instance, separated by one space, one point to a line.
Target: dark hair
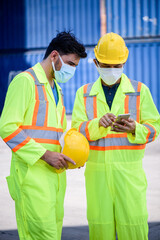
66 43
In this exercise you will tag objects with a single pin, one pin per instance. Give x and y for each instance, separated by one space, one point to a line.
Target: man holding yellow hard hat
32 122
115 180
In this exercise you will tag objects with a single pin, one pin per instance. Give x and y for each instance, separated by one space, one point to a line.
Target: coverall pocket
11 187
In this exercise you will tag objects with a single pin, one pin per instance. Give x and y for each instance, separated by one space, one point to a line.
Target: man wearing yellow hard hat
115 180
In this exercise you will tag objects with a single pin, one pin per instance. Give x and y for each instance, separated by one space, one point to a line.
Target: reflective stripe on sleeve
83 128
17 140
151 132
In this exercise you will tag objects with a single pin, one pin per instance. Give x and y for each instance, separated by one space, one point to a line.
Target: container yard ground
75 223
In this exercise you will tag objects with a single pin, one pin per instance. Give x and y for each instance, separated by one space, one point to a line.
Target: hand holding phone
122 116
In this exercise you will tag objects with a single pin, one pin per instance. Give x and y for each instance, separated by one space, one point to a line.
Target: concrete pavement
75 223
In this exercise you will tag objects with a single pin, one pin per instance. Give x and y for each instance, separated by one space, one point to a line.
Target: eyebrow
72 63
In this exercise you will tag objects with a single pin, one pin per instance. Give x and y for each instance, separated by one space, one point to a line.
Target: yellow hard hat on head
111 49
76 147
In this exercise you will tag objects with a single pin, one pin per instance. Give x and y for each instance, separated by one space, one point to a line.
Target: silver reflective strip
134 85
132 104
43 134
110 142
89 107
34 75
82 129
89 102
150 139
42 103
41 113
89 87
19 138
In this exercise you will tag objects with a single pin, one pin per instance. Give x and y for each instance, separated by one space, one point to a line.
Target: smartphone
122 116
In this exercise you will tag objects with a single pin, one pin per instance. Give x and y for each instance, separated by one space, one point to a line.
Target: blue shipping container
133 18
142 65
26 24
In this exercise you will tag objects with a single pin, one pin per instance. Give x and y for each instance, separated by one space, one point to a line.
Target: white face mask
110 75
65 73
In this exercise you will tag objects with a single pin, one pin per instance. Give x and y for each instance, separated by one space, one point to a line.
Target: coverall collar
124 87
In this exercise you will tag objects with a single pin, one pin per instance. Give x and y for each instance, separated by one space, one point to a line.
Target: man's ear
54 56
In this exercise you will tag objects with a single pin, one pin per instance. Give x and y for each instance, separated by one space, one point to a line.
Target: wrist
44 156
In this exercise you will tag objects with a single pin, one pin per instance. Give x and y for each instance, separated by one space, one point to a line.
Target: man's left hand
129 126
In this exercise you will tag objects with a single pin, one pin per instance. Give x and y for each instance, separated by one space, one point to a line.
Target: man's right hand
57 160
107 120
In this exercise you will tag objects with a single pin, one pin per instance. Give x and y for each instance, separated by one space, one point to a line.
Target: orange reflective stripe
15 149
149 132
12 135
80 126
34 119
99 148
45 97
126 104
49 141
154 130
31 75
114 135
62 118
87 131
138 102
41 128
95 106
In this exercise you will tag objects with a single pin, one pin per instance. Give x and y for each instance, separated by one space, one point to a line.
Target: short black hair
66 43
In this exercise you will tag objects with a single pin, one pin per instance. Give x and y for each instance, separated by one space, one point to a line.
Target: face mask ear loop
61 60
97 63
53 66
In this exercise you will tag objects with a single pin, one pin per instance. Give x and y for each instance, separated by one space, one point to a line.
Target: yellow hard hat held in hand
76 147
111 49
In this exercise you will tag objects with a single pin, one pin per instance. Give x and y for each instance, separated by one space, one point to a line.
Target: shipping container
133 18
142 65
29 24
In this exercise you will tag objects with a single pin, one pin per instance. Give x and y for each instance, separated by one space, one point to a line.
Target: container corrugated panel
133 18
12 24
33 24
142 65
44 18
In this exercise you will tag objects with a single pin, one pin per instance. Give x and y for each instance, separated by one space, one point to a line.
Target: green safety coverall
115 180
30 124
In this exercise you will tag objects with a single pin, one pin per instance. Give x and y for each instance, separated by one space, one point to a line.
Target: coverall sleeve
90 129
149 127
18 98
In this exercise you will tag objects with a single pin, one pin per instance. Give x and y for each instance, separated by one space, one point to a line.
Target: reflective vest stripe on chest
132 101
38 130
112 141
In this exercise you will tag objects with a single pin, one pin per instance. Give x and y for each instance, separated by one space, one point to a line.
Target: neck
47 67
